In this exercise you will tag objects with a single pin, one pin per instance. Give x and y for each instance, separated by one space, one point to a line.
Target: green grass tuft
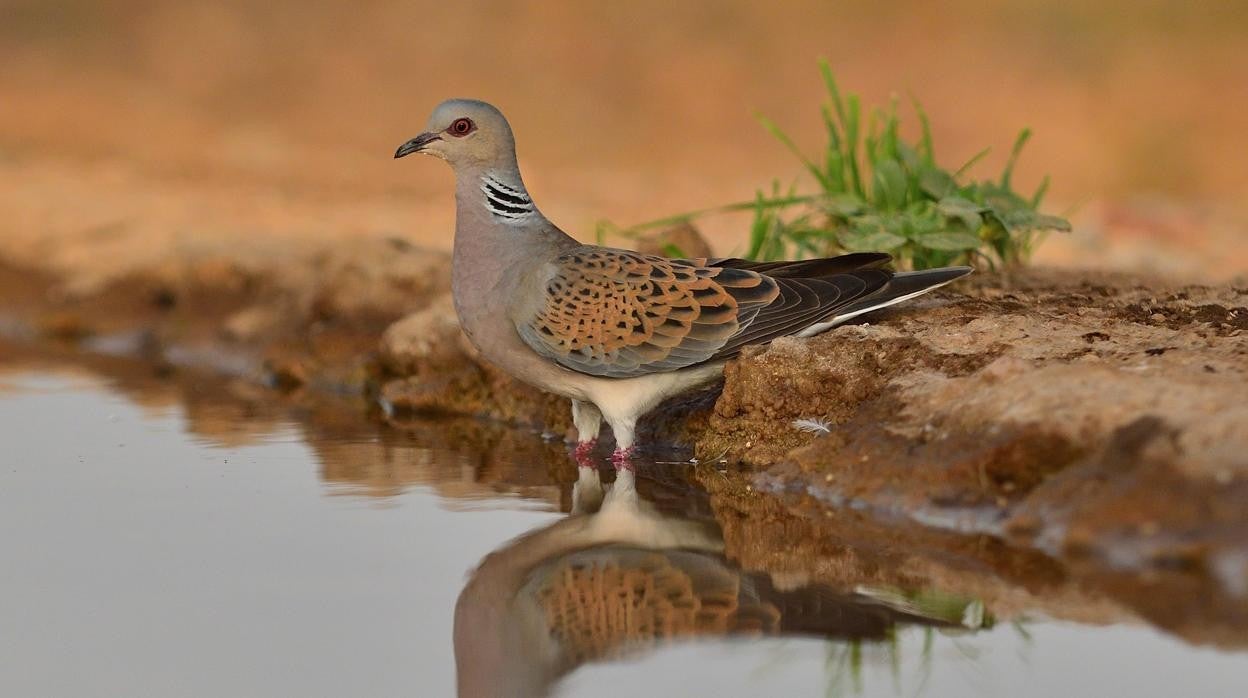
879 192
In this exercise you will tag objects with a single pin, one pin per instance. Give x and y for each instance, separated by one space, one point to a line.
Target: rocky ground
1082 415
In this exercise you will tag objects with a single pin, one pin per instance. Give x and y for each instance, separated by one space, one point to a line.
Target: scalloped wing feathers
620 314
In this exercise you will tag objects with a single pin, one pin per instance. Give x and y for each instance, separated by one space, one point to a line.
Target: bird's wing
620 314
805 268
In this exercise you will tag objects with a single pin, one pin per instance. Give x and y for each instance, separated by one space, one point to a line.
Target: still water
165 541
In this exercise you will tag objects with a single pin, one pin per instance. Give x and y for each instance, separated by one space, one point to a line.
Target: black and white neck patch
505 201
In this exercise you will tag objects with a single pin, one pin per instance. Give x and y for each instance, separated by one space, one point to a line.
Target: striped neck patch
505 201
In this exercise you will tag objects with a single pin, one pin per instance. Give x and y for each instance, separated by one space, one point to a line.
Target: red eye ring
461 127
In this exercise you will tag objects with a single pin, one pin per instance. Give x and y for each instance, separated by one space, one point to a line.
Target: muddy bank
1087 416
301 317
1079 414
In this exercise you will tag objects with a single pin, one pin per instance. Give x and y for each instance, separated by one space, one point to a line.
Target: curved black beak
416 144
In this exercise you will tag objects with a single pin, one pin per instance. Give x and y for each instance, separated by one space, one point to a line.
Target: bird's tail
902 287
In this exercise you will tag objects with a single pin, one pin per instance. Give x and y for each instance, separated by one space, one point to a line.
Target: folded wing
620 314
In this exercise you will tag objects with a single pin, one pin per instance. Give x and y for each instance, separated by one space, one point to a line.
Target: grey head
475 138
470 135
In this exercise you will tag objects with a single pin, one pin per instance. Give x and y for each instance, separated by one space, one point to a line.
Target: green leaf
923 220
1040 192
834 166
868 234
926 149
1023 220
950 240
843 205
834 134
1019 142
783 137
965 210
673 250
971 163
869 142
892 129
852 114
956 206
829 81
909 157
936 182
1001 200
761 225
888 186
1045 222
602 230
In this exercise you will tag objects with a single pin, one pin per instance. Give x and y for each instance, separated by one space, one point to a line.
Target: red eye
461 127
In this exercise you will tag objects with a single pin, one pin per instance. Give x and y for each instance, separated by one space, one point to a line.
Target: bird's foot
583 453
622 459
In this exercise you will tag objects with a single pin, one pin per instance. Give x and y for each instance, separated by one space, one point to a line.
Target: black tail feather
906 284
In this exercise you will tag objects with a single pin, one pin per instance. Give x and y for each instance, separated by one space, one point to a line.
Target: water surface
207 539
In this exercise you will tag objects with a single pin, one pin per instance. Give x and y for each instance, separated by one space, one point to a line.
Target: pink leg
623 458
583 453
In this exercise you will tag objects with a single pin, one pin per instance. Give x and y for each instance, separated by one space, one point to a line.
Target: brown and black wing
620 314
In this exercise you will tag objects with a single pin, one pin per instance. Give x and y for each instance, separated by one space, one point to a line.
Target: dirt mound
1085 415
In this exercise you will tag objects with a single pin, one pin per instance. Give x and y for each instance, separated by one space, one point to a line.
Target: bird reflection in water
616 578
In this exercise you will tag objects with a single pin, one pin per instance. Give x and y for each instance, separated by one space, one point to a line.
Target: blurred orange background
243 118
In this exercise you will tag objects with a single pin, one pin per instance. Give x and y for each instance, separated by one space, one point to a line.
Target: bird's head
465 133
